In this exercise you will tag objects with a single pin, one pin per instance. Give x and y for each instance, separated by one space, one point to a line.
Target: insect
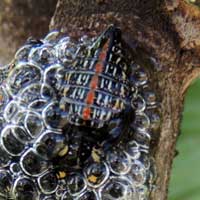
98 88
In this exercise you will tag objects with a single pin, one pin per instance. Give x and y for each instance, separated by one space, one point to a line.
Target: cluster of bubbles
31 132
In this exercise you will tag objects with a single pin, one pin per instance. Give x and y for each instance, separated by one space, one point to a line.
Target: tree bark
167 35
20 19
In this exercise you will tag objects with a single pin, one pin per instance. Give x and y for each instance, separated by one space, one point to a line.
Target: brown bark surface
20 19
167 36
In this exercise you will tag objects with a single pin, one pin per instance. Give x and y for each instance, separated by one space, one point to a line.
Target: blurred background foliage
185 179
196 2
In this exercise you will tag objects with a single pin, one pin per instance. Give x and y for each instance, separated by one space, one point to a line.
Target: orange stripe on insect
102 56
86 113
94 82
99 67
90 97
103 53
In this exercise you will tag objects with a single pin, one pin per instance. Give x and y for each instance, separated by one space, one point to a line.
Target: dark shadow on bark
20 19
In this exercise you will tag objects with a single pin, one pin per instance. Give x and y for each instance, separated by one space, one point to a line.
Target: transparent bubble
140 77
138 166
54 117
15 168
66 50
150 97
4 71
73 151
139 178
36 91
5 183
85 41
50 144
76 184
18 119
134 66
67 196
151 175
42 55
2 122
154 119
48 198
38 105
5 158
81 52
22 53
10 142
22 75
11 111
48 182
144 158
96 174
151 182
32 164
143 138
4 98
141 122
118 162
20 133
88 195
24 188
51 37
132 149
54 76
60 190
33 123
138 104
118 188
138 173
143 192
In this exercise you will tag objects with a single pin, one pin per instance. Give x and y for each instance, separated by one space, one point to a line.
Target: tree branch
166 32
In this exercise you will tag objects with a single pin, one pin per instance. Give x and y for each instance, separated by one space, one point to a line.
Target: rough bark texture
20 19
167 34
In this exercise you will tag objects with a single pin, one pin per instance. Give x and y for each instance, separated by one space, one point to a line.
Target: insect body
97 88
